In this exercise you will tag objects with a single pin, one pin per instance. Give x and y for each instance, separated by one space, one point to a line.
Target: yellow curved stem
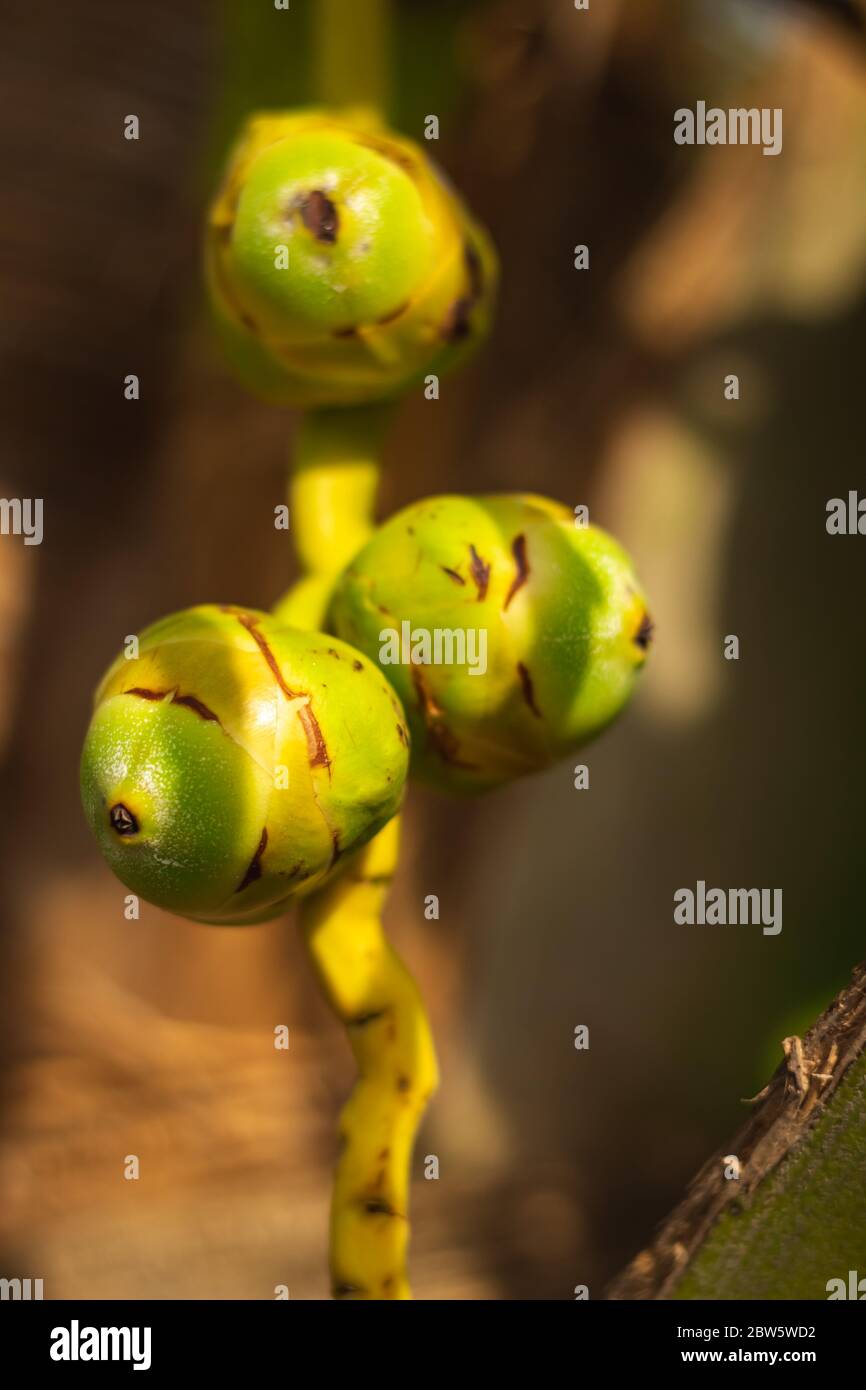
332 492
374 995
332 498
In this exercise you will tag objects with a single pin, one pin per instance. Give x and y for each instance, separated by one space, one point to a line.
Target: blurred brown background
155 1037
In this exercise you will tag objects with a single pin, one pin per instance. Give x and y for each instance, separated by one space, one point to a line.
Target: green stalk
332 500
351 43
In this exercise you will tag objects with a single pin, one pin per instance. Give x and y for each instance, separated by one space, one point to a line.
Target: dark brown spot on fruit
457 326
402 735
319 216
403 1084
345 1290
254 868
357 666
350 332
146 694
480 571
123 822
361 1020
527 689
644 635
447 745
452 574
443 740
518 550
475 270
294 872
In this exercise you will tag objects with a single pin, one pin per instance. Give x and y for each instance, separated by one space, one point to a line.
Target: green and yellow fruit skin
565 620
234 762
388 278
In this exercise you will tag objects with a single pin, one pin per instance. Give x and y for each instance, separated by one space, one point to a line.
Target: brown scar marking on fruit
254 868
319 215
384 1155
357 665
403 161
445 743
429 707
644 635
457 326
336 851
350 332
452 574
291 873
188 701
480 571
248 621
403 1084
394 313
527 689
402 735
475 269
317 752
518 550
197 706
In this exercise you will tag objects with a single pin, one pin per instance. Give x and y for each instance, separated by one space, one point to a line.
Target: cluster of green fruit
236 761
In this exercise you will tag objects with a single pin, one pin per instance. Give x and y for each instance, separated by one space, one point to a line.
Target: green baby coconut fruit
232 763
511 635
341 267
